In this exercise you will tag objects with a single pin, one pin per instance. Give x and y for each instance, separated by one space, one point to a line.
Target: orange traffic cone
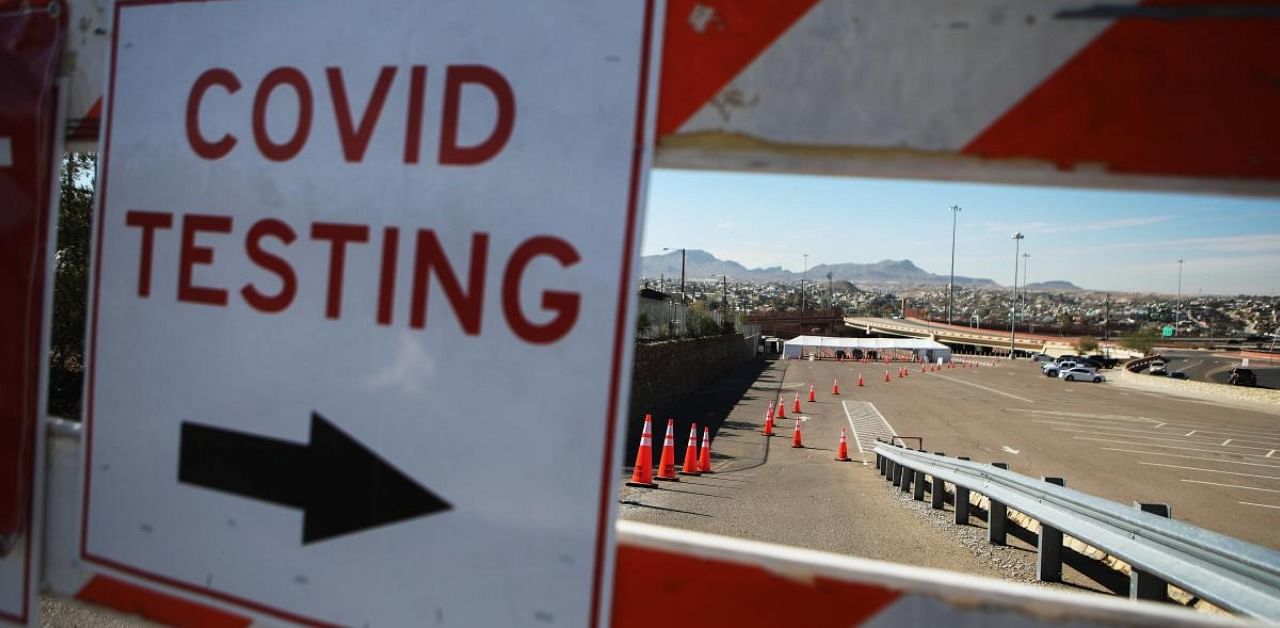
768 425
796 440
642 473
835 386
900 374
796 408
769 415
923 367
782 410
704 454
667 461
886 376
811 397
691 453
842 452
859 379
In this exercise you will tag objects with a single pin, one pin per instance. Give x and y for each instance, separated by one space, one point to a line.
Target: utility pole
724 299
1177 316
830 294
1013 305
1106 317
803 276
951 287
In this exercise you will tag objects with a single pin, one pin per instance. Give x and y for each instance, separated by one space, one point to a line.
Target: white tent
830 347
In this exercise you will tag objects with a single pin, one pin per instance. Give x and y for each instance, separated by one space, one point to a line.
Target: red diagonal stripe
708 42
1183 97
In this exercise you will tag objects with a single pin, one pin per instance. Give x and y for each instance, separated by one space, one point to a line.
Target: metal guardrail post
918 495
1049 546
962 501
1143 585
906 476
937 492
996 513
895 472
1232 574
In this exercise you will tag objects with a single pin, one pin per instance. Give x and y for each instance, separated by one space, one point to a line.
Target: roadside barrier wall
665 372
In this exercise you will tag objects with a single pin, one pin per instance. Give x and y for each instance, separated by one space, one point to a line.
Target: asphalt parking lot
1218 466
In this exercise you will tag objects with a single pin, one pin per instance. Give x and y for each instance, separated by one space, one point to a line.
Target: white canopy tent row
830 347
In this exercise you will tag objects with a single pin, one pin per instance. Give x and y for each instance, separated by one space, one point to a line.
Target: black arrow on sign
339 484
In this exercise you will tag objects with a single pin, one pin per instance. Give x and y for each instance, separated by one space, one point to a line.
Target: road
1218 467
1205 366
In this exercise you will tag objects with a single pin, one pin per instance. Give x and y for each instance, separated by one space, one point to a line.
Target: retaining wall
1202 390
666 371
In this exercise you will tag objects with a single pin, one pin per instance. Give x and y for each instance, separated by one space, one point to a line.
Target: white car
1081 373
1055 369
1159 368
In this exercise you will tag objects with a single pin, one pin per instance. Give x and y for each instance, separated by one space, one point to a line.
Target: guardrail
1228 572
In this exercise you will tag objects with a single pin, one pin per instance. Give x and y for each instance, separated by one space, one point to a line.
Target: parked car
1041 357
1053 369
1242 377
1159 367
1178 375
1081 373
1104 361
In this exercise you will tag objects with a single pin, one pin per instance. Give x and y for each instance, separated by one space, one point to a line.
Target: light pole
1177 311
1025 258
951 287
803 276
1013 305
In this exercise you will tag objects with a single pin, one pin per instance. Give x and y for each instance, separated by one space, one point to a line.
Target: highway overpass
984 340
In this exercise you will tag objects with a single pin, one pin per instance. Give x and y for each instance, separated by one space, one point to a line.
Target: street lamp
1013 305
803 276
1025 257
1177 311
951 287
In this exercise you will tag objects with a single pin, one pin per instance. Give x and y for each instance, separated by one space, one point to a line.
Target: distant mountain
701 265
1053 285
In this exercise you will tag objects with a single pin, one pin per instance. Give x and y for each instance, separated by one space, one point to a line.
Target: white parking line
1190 433
1082 416
1228 441
1212 451
1248 488
1249 434
998 392
873 425
1259 505
1114 428
1247 475
1173 440
1169 455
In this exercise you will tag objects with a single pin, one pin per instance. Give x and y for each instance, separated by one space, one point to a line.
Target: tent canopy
827 346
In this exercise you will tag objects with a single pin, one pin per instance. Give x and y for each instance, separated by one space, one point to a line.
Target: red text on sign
464 285
355 130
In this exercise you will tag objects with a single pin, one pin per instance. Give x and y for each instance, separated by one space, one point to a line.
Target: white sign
1244 362
361 322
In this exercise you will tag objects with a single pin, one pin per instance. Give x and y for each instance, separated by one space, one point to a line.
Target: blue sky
1105 240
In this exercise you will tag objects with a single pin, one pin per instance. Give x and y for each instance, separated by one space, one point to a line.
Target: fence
1228 572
